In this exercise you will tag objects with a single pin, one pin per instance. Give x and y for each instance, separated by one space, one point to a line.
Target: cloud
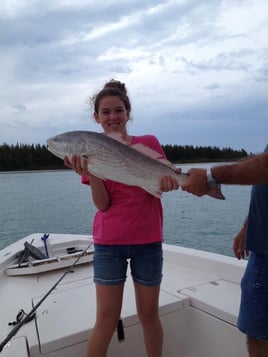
196 71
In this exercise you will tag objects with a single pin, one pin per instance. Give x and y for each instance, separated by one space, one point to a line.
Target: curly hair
112 88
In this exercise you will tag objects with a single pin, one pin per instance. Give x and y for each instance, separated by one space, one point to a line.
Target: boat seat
219 298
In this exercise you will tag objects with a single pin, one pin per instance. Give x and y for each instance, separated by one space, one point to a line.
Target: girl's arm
99 193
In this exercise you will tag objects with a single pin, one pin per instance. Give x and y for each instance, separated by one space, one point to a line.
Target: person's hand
77 163
196 182
239 245
168 183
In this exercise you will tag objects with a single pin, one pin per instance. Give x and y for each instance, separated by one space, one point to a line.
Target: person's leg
146 268
253 312
257 348
109 302
110 266
147 308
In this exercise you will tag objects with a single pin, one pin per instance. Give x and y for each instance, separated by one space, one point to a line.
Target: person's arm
248 172
99 193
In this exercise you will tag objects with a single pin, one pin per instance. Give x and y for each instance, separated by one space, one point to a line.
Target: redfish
110 158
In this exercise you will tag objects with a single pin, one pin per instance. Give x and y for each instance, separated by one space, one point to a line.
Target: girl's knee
149 320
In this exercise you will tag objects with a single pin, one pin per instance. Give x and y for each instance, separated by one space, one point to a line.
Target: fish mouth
48 143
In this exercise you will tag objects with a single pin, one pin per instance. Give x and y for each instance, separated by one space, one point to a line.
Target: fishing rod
28 317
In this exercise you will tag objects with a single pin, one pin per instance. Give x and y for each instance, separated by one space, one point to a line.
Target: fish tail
216 193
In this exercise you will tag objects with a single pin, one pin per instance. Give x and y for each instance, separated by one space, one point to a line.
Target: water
55 201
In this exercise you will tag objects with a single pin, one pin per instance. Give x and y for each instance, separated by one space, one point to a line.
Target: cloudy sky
196 71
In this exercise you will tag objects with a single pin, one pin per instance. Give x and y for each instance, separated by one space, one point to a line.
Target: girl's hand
168 183
77 163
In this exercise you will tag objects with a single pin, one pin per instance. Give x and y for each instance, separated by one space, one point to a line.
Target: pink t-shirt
134 216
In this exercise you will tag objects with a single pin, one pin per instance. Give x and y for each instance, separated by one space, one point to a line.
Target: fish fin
143 149
216 193
168 163
117 136
147 151
153 154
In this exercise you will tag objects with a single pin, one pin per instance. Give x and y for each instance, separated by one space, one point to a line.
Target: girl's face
112 114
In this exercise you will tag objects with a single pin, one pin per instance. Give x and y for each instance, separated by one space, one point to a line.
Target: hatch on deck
219 298
76 308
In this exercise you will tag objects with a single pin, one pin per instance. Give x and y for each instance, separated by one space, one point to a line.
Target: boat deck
199 303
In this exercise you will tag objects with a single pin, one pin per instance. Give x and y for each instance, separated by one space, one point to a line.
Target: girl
127 228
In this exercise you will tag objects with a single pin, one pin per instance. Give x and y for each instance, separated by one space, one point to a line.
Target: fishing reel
20 315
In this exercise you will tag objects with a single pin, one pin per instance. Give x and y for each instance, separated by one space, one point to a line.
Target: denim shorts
111 261
253 314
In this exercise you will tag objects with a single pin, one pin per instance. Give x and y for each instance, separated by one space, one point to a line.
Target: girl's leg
109 303
147 298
